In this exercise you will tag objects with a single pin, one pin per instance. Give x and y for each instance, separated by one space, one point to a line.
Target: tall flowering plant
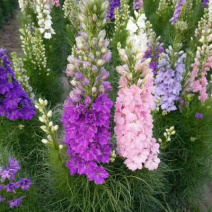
135 100
87 111
14 102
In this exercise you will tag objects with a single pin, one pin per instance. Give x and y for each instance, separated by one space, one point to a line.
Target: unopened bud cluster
33 47
113 156
21 75
167 137
49 128
71 10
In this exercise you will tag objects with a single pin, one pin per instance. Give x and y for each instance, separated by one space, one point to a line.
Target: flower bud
50 124
94 90
45 102
73 82
102 34
129 76
100 62
123 55
55 128
49 114
95 18
44 141
95 41
60 146
107 56
49 137
40 101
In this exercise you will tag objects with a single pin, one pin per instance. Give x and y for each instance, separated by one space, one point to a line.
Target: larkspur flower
198 116
113 4
15 202
25 183
177 10
14 102
135 142
2 199
168 79
11 187
87 136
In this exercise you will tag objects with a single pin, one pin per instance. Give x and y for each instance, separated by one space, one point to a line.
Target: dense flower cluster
87 137
14 102
137 4
44 18
168 79
177 11
8 174
134 126
113 4
154 51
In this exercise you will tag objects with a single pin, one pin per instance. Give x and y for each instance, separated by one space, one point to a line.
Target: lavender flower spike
177 11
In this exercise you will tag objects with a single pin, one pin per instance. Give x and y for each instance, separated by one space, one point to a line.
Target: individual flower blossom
113 5
2 199
11 187
25 183
198 116
14 165
177 10
14 102
168 79
15 202
138 4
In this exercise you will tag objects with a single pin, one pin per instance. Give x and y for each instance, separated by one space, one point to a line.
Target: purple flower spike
14 102
16 202
113 5
177 11
88 137
199 116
